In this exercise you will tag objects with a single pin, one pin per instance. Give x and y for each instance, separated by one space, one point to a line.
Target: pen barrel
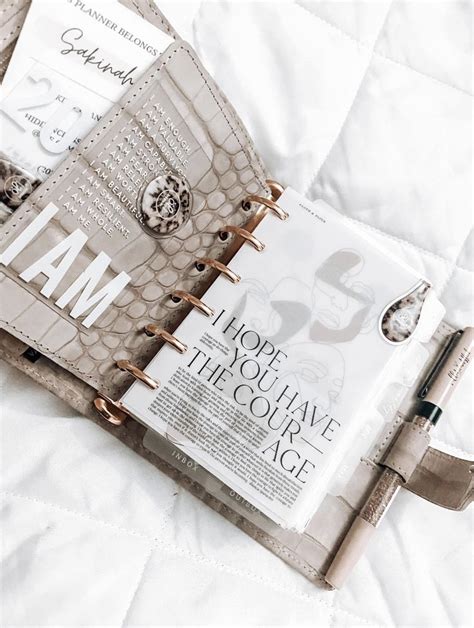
363 528
450 373
381 497
351 549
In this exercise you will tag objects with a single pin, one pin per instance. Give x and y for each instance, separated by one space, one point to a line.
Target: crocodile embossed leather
142 169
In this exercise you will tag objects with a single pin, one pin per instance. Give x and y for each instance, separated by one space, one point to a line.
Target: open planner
260 348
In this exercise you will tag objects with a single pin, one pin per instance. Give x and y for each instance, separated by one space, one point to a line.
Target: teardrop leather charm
400 318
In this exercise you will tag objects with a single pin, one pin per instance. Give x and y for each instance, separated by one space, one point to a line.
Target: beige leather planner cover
151 186
152 223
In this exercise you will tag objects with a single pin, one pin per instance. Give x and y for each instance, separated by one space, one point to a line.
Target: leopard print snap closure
165 205
15 186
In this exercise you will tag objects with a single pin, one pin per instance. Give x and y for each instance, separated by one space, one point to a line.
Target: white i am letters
86 282
66 252
69 248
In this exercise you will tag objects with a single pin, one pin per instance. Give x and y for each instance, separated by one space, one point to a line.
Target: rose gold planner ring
111 411
243 233
126 365
158 332
222 268
270 203
177 295
275 188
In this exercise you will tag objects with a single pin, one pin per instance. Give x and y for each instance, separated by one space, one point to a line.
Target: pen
433 396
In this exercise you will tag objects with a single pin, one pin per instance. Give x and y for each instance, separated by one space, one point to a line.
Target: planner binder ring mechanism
266 202
104 405
112 411
275 188
126 365
158 332
243 233
177 295
222 268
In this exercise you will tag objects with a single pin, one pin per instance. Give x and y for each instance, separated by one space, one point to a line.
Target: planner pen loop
113 411
406 451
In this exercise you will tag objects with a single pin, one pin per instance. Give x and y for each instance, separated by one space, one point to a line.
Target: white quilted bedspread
367 105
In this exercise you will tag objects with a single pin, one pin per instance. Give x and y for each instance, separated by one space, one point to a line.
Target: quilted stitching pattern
409 576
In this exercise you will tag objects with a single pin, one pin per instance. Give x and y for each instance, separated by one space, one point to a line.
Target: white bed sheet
369 106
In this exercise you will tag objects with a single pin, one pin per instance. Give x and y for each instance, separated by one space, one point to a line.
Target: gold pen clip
441 359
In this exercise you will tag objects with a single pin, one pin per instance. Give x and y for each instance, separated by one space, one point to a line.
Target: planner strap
443 479
407 450
439 477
